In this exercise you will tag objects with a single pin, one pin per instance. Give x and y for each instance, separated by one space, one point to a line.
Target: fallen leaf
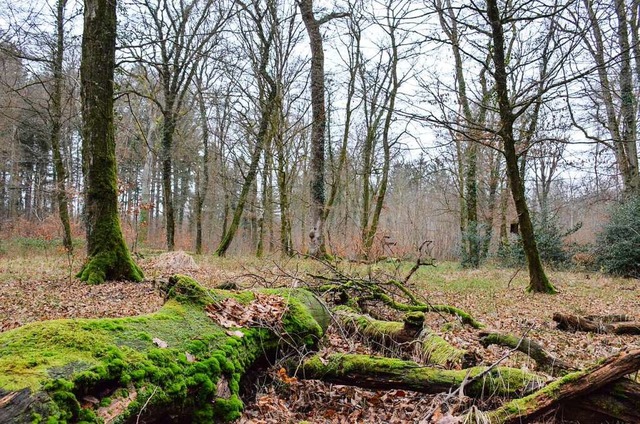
160 343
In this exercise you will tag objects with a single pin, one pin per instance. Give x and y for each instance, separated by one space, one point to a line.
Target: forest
332 211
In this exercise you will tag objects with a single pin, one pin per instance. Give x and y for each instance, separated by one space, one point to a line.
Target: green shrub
618 251
553 250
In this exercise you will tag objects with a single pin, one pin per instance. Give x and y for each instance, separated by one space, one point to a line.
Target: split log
381 373
177 364
597 325
566 389
409 336
544 360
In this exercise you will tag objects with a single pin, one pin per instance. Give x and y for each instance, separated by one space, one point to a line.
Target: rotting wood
380 373
409 338
568 388
603 326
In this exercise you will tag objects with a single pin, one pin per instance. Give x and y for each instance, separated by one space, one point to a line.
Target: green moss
438 351
68 359
187 290
110 263
228 409
414 319
531 401
306 316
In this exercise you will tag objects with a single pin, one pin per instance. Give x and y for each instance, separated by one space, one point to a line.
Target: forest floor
41 286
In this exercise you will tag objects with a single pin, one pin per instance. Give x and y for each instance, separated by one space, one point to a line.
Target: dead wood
184 361
618 401
409 338
544 360
380 373
602 325
567 389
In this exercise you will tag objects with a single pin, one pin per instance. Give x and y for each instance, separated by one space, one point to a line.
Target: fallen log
179 363
544 360
381 373
566 389
620 325
617 402
410 337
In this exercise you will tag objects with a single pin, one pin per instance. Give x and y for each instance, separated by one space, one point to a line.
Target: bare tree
611 100
318 123
263 19
172 39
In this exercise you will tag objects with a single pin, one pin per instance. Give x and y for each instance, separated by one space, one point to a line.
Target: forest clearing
396 211
36 288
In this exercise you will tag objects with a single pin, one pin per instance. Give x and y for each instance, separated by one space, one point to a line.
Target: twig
145 405
513 276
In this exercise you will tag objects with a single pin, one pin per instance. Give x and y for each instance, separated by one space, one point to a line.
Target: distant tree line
274 126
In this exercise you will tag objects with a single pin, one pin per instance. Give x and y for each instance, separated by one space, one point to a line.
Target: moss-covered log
177 363
567 389
545 361
372 291
409 336
384 373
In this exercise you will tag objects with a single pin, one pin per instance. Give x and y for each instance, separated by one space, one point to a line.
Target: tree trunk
316 235
202 181
544 360
60 173
108 255
168 128
175 365
409 336
538 281
248 183
628 106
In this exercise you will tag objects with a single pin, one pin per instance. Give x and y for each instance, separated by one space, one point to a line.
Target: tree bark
594 325
108 255
318 124
544 360
409 336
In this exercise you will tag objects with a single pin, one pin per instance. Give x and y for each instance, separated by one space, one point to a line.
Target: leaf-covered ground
42 287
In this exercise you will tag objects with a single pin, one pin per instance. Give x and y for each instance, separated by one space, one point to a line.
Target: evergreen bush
618 251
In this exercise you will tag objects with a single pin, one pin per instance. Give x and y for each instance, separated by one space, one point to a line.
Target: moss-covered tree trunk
176 365
538 281
108 255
